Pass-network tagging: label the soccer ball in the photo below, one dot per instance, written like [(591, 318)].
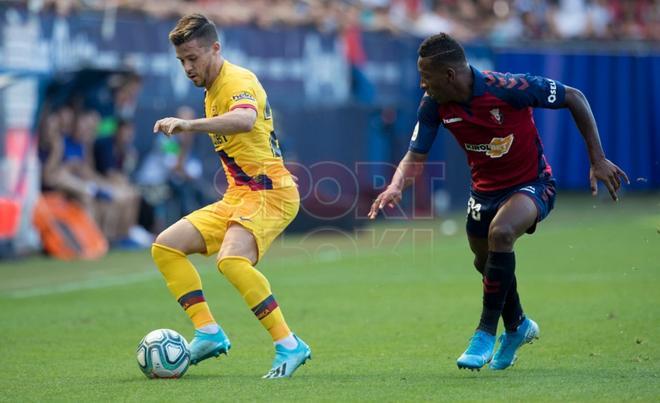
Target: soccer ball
[(163, 353)]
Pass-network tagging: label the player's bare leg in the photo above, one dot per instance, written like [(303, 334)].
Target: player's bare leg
[(170, 251), (236, 259), (130, 208), (183, 236), (515, 216), (239, 241), (479, 247)]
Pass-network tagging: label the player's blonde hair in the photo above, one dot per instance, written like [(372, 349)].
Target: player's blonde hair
[(194, 26)]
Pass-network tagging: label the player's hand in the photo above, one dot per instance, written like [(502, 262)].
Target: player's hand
[(389, 197), (608, 173), (170, 126)]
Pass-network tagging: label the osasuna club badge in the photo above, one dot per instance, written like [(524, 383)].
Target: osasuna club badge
[(496, 115)]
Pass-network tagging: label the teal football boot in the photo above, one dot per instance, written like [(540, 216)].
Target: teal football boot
[(479, 351), (510, 342), (287, 361), (207, 345)]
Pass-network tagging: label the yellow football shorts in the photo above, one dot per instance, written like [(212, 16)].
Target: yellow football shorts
[(265, 213)]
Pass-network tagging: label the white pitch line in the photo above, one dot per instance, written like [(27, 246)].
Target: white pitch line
[(107, 281), (95, 283), (132, 278), (91, 284)]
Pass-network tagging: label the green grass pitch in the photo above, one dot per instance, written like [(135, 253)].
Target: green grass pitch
[(386, 310)]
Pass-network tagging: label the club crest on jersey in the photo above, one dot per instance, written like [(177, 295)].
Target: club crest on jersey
[(496, 115), (497, 147)]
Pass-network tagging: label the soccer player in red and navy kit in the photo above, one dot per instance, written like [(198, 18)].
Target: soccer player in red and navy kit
[(490, 115)]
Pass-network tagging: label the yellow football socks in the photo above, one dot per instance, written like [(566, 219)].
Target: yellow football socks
[(184, 283), (255, 290)]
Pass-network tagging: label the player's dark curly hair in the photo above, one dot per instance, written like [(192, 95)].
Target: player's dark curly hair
[(442, 49), (194, 26)]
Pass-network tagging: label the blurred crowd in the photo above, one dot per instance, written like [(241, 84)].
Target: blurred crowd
[(497, 20), (86, 130), (87, 153)]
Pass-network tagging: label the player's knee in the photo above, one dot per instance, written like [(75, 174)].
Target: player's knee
[(156, 251), (239, 242), (501, 236), (163, 254), (161, 239), (230, 249)]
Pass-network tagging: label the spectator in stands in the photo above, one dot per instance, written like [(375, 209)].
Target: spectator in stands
[(125, 95), (171, 176), (115, 159), (74, 173), (439, 19), (600, 19), (568, 19), (468, 19), (508, 26), (55, 175), (186, 180)]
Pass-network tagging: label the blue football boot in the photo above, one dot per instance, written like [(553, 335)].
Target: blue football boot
[(510, 342), (479, 351), (207, 345), (287, 361)]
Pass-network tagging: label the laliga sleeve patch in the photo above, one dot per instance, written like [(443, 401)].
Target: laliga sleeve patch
[(243, 96)]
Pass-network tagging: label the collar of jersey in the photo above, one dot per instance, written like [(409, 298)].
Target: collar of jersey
[(478, 83), (219, 79)]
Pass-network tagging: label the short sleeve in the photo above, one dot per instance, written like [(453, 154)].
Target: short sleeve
[(526, 90), (242, 95), (428, 122)]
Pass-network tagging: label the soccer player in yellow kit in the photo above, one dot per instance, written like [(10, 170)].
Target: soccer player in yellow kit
[(261, 200)]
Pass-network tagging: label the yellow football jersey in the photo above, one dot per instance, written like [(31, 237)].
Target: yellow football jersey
[(251, 159)]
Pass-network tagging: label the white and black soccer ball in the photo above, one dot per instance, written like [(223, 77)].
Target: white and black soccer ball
[(163, 353)]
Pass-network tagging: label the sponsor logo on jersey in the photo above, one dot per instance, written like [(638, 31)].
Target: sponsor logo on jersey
[(217, 139), (243, 96), (497, 147), (496, 115), (451, 120), (553, 91)]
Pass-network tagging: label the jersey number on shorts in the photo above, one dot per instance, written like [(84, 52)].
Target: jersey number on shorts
[(474, 209)]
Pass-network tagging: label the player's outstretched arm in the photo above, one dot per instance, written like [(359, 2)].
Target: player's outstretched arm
[(239, 120), (410, 166), (601, 169)]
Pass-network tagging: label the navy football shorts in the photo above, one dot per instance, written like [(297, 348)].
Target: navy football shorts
[(482, 206)]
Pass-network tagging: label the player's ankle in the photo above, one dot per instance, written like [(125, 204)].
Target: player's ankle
[(289, 342), (211, 328)]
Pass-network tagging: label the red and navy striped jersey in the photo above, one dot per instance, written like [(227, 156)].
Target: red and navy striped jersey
[(495, 128)]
